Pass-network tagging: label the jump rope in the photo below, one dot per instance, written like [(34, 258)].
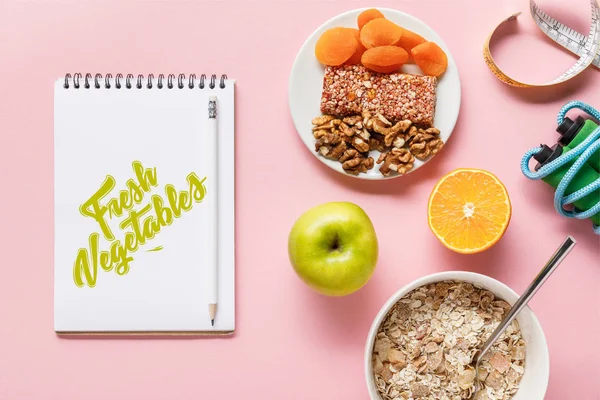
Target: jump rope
[(572, 165)]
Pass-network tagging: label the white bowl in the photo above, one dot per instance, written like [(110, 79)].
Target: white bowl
[(537, 361)]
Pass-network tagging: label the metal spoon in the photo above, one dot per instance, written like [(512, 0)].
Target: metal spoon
[(539, 280)]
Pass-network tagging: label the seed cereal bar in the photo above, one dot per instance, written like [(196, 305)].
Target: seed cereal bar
[(350, 89)]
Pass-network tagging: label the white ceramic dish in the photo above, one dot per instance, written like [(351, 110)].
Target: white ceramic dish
[(306, 83), (537, 361)]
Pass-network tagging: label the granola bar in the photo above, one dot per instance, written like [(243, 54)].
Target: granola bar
[(350, 89)]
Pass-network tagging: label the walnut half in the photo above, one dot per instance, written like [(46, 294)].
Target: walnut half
[(331, 146), (425, 143), (377, 142), (398, 160), (359, 144), (353, 162)]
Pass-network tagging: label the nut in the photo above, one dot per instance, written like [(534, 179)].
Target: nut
[(391, 132), (331, 146), (354, 162), (320, 133), (376, 142), (322, 119), (349, 154), (398, 160), (412, 131), (383, 119), (364, 133), (330, 124), (347, 130), (353, 120), (359, 144), (398, 141), (425, 143), (369, 120)]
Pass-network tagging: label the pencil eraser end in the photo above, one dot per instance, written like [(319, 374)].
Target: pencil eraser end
[(212, 98)]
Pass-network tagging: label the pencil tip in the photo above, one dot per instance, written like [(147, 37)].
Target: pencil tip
[(212, 322)]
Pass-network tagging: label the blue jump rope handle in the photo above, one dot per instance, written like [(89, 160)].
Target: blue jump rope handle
[(582, 152)]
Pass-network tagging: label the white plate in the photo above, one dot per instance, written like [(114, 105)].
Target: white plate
[(306, 83)]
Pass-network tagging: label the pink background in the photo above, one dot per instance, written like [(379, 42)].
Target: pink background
[(291, 343)]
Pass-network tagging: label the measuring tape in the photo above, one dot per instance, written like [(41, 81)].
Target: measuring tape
[(586, 47)]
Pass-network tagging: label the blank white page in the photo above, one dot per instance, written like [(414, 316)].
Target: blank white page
[(98, 135)]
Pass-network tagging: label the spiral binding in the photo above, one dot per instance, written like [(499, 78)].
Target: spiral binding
[(88, 81)]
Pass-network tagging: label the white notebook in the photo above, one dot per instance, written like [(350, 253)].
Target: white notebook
[(132, 204)]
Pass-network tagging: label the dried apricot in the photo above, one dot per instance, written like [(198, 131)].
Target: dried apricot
[(430, 58), (409, 40), (380, 32), (367, 16), (355, 59), (335, 46), (384, 59)]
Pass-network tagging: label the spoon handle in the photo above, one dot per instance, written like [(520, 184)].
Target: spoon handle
[(539, 280)]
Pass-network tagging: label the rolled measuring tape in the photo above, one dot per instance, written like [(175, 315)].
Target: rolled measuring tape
[(586, 47)]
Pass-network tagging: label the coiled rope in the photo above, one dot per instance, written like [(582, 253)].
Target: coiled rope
[(581, 153)]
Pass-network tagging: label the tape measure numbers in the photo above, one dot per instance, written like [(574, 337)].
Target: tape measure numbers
[(586, 47)]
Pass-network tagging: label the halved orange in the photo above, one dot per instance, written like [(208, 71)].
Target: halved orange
[(469, 210)]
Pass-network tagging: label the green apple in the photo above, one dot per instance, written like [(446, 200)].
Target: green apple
[(333, 248)]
